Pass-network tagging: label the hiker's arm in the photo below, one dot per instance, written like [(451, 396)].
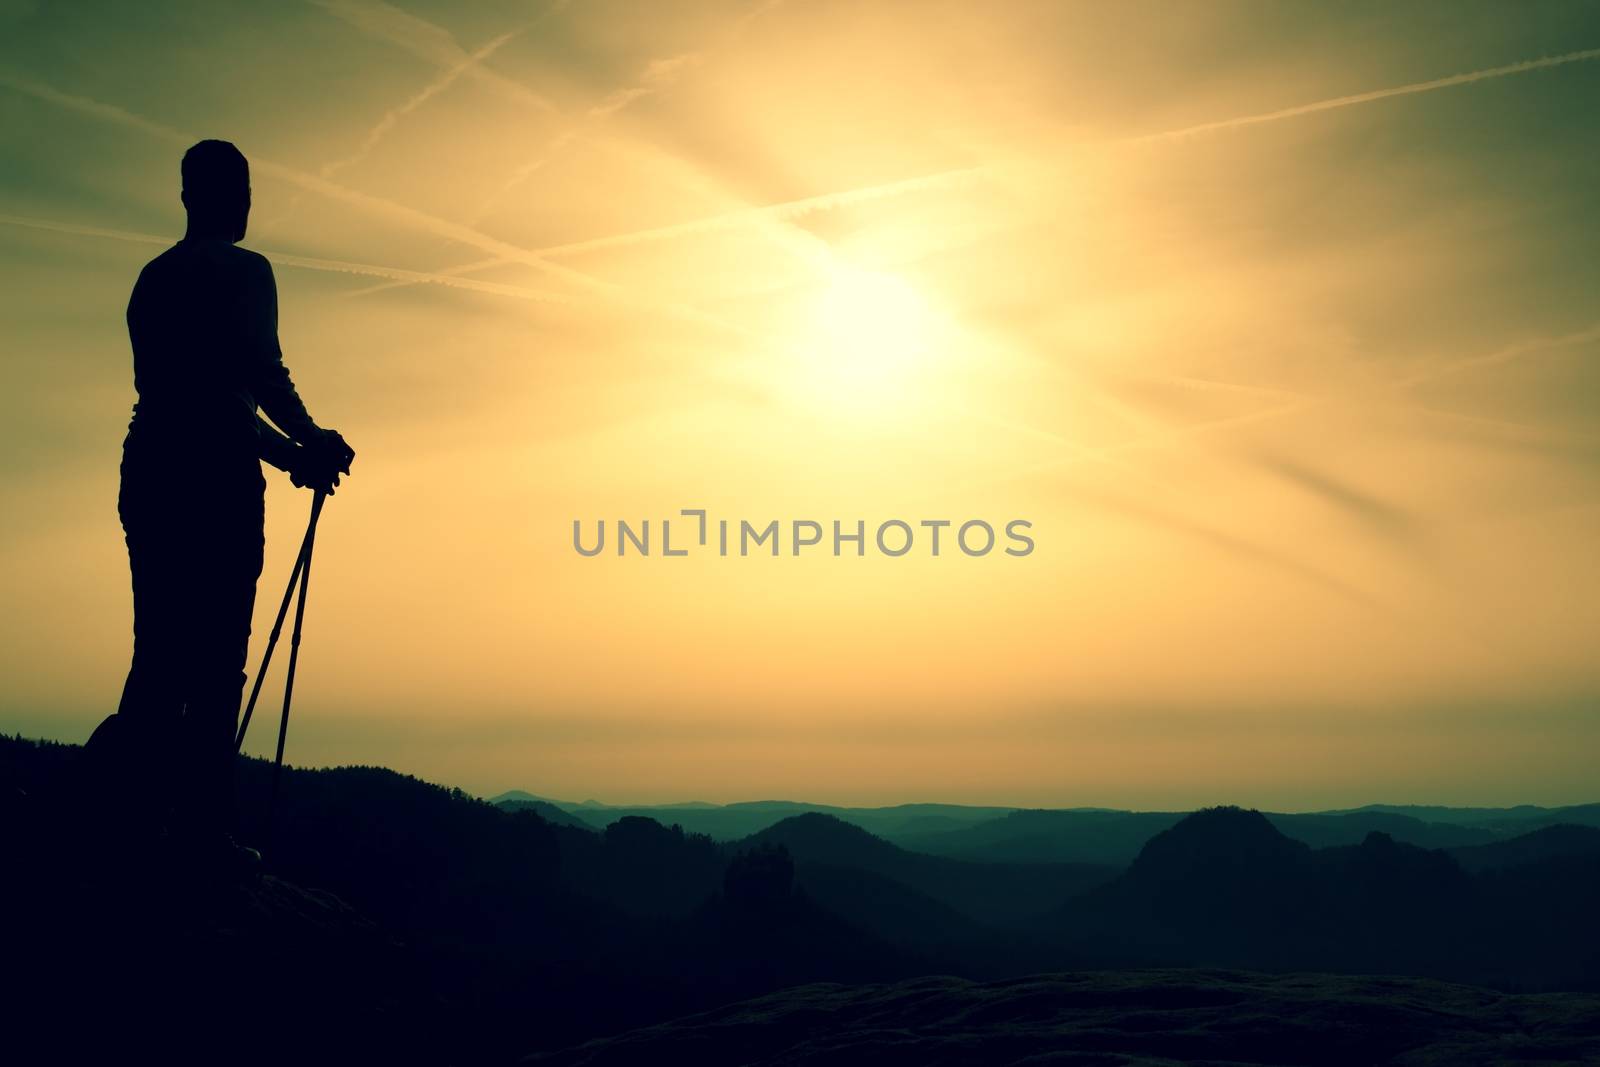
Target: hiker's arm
[(269, 379), (308, 468), (276, 449), (326, 453)]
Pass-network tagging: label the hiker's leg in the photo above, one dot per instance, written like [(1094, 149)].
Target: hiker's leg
[(140, 756), (152, 696), (219, 639)]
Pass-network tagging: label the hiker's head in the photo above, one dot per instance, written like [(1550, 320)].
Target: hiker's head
[(216, 190)]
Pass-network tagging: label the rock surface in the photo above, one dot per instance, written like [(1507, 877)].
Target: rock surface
[(1113, 1019)]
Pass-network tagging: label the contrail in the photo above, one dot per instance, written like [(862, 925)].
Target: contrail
[(1502, 355), (657, 75), (1178, 523), (1110, 454), (1232, 544), (376, 205), (760, 216), (445, 272), (335, 266), (1543, 63), (956, 177), (428, 92), (88, 106), (425, 39), (782, 212), (430, 42), (420, 37), (400, 213), (1167, 437), (392, 118)]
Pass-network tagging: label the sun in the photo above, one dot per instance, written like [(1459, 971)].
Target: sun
[(872, 346)]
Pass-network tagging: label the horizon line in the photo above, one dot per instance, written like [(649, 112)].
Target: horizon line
[(491, 796)]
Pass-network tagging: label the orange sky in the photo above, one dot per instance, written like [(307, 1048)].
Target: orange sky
[(1276, 323)]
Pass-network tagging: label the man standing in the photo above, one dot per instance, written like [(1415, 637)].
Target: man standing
[(203, 324)]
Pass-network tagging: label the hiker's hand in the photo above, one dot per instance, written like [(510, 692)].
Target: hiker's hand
[(312, 469), (317, 463), (337, 452)]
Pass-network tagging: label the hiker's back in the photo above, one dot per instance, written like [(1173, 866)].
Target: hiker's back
[(199, 318)]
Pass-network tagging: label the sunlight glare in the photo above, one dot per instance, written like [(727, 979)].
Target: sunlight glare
[(873, 346)]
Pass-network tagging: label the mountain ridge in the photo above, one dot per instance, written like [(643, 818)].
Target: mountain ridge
[(498, 932)]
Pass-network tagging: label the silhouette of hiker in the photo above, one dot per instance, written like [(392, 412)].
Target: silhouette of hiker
[(203, 324)]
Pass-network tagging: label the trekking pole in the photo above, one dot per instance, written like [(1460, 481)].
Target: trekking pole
[(294, 648), (300, 562)]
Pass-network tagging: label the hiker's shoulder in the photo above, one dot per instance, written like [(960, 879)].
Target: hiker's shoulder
[(218, 257), (162, 274), (168, 260), (245, 260), (245, 270)]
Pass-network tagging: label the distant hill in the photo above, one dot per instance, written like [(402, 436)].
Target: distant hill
[(998, 894), (1504, 821), (546, 811), (891, 909), (1117, 1020), (1465, 816), (732, 822), (1115, 837), (1225, 887), (1546, 843), (519, 795), (644, 868), (1096, 836), (1044, 836), (1326, 831), (971, 918)]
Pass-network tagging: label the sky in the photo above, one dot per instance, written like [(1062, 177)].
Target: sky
[(1275, 322)]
